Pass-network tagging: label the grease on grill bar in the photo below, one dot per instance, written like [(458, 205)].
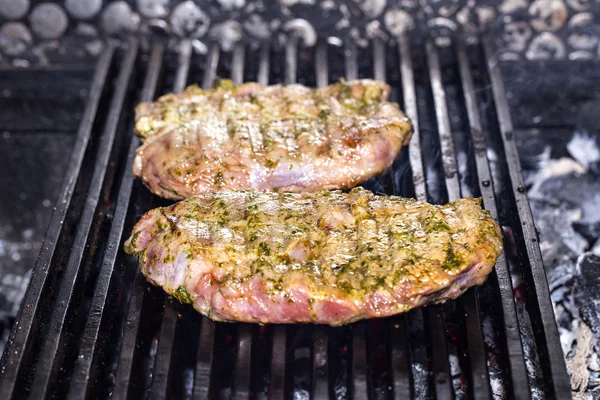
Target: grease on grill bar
[(114, 335)]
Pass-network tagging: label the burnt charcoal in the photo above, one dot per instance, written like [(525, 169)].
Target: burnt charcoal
[(589, 230), (587, 292), (559, 242), (560, 275), (534, 149), (575, 190)]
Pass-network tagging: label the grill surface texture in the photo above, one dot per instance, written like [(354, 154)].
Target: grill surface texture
[(92, 327)]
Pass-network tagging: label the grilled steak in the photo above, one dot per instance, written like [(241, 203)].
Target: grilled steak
[(323, 257), (276, 137)]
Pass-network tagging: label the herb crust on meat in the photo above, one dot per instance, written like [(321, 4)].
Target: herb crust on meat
[(251, 136), (322, 257)]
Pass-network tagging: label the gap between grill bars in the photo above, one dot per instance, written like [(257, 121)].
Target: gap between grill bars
[(134, 341)]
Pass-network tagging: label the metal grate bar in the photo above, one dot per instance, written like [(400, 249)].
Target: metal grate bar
[(398, 338), (279, 348), (320, 373), (291, 60), (241, 382), (439, 353), (212, 62), (238, 62), (479, 376), (555, 364), (350, 53), (263, 66), (321, 66), (401, 375), (277, 381), (410, 107), (132, 323), (204, 359), (379, 59), (359, 382), (358, 379), (185, 57), (162, 363), (320, 366), (20, 335), (443, 123), (414, 319), (48, 354), (432, 314), (515, 359), (89, 338)]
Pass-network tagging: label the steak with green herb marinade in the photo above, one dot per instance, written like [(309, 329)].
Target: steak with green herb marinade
[(323, 257), (251, 136)]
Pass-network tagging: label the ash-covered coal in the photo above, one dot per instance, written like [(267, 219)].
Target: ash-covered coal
[(564, 193)]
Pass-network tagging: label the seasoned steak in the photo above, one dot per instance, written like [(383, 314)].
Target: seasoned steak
[(251, 136), (323, 257)]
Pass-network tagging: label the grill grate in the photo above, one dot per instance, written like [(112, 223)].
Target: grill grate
[(92, 327)]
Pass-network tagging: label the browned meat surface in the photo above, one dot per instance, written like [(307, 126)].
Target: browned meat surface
[(323, 257), (276, 137)]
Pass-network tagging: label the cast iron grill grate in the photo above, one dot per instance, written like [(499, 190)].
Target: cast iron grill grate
[(91, 327)]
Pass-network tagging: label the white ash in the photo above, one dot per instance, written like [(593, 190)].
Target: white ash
[(583, 148), (564, 195)]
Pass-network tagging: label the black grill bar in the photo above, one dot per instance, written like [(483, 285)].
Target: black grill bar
[(241, 381), (478, 364), (378, 59), (239, 55), (204, 359), (278, 365), (263, 66), (395, 327), (321, 66), (132, 324), (320, 373), (212, 63), (359, 387), (433, 315), (400, 362), (410, 107), (79, 384), (415, 319), (351, 60), (291, 60), (279, 347), (20, 336), (443, 122), (160, 378), (49, 351), (358, 380), (183, 70), (553, 362), (514, 350)]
